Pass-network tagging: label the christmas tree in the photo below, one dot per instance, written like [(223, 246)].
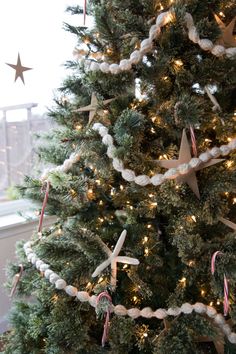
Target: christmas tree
[(141, 258)]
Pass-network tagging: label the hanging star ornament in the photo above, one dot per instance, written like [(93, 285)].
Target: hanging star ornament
[(94, 107), (227, 39), (184, 157), (114, 259), (19, 69)]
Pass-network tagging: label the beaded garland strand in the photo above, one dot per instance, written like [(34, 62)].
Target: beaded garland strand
[(147, 45), (129, 175), (172, 173), (121, 310)]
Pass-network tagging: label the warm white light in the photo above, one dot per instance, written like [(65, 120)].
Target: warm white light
[(78, 127), (179, 62), (229, 164), (193, 217)]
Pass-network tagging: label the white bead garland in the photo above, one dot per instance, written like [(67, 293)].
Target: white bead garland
[(146, 45), (172, 173), (134, 313)]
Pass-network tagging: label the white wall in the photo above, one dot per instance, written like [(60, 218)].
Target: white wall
[(9, 235)]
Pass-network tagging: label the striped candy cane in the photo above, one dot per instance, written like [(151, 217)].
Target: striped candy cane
[(213, 260), (40, 226), (106, 324), (226, 296), (193, 139), (226, 285)]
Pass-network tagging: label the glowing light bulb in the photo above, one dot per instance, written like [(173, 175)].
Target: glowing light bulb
[(229, 164), (145, 334), (203, 292), (234, 200), (193, 217), (178, 62), (221, 14), (149, 226), (145, 239), (191, 263), (121, 187), (146, 252), (183, 281), (211, 303), (125, 266), (218, 302)]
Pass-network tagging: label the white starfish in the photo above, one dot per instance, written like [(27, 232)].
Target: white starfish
[(114, 259)]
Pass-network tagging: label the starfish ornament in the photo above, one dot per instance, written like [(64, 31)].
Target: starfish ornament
[(19, 69), (184, 157), (228, 223), (227, 38), (114, 259), (94, 108)]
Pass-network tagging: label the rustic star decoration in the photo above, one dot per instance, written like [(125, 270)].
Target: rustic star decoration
[(227, 39), (184, 157), (19, 69), (114, 259), (94, 107), (228, 223)]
